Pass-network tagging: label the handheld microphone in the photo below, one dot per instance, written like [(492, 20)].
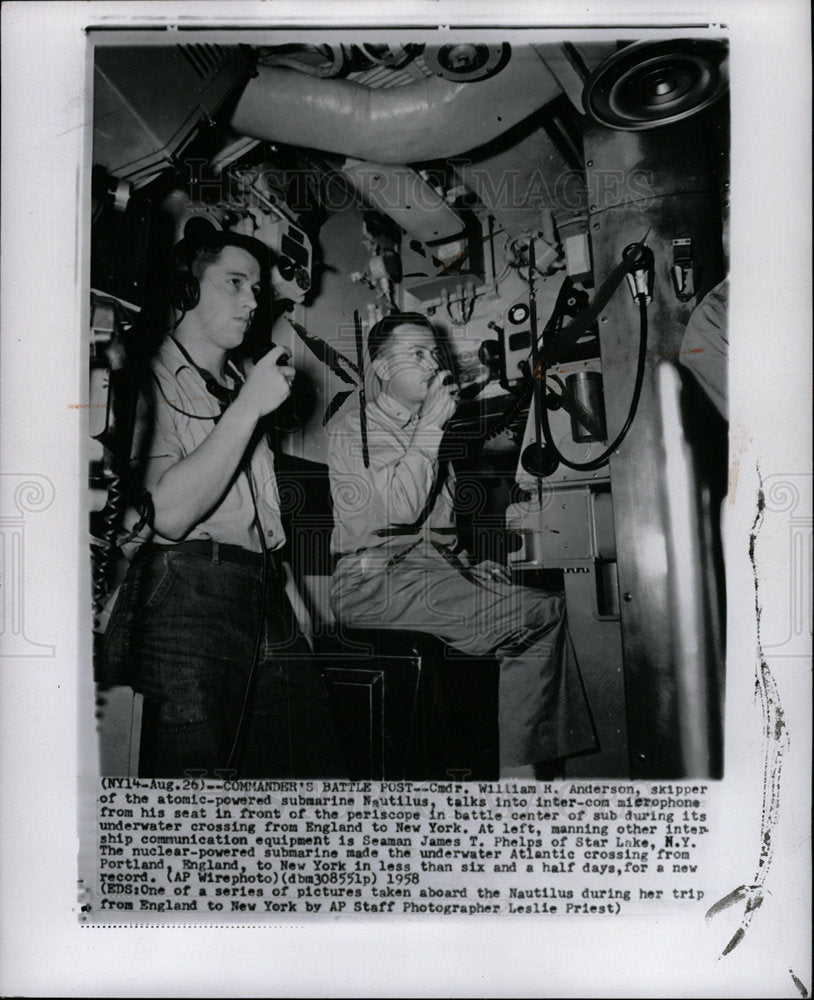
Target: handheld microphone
[(294, 412), (264, 350)]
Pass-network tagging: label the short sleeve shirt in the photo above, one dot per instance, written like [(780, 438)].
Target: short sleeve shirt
[(184, 415)]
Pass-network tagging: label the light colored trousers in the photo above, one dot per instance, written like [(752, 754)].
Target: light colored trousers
[(542, 711)]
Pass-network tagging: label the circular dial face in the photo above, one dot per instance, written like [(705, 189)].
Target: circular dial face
[(518, 313)]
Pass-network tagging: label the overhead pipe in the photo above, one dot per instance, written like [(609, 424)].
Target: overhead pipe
[(431, 119)]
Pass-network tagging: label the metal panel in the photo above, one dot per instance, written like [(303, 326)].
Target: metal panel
[(664, 188), (118, 714), (357, 704), (148, 101), (574, 525), (407, 198), (598, 646), (374, 703)]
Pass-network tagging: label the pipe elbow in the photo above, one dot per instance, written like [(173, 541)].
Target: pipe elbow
[(427, 120)]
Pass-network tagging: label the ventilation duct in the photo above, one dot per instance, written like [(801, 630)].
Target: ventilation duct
[(427, 120)]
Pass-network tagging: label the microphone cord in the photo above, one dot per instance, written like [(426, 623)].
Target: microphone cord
[(251, 679), (604, 458)]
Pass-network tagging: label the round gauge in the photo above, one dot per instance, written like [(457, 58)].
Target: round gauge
[(287, 268), (467, 61), (518, 313)]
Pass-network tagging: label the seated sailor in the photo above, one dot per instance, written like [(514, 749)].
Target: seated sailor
[(400, 565)]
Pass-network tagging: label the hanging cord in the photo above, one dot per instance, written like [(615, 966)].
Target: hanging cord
[(103, 549), (636, 258), (117, 440), (146, 511), (465, 308), (238, 743), (192, 416), (521, 400), (224, 395), (360, 360), (537, 362), (604, 458)]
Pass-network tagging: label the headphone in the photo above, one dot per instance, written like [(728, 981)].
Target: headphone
[(185, 289), (185, 294)]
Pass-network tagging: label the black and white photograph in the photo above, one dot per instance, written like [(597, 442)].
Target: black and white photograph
[(406, 525), (409, 405)]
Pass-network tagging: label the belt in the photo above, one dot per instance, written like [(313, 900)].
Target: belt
[(220, 552)]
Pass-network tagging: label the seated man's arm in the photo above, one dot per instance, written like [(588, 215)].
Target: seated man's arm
[(401, 474)]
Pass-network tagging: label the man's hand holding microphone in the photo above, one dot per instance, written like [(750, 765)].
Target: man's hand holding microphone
[(441, 400), (269, 382)]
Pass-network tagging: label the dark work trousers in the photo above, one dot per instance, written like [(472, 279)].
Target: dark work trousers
[(194, 630), (542, 711)]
